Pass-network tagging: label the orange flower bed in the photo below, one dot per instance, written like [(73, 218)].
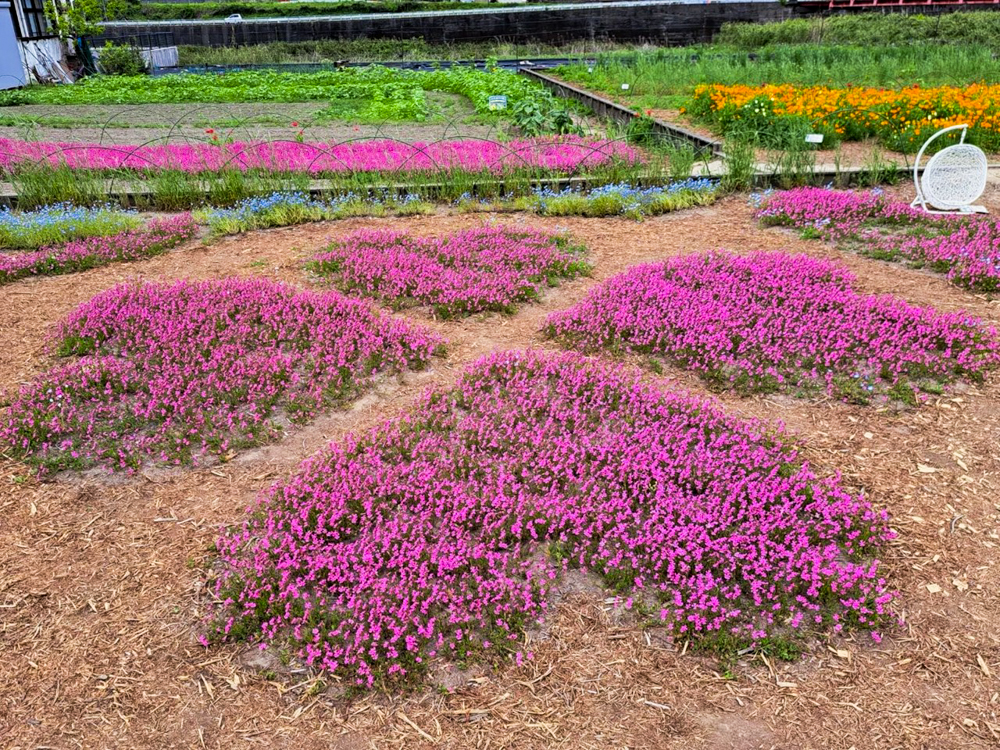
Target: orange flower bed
[(901, 120)]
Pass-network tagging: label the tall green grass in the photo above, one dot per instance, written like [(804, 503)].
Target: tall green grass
[(42, 185), (868, 29), (171, 190), (665, 78), (153, 11), (379, 50)]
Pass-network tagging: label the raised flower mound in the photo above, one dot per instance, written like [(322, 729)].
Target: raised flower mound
[(967, 248), (441, 534), (171, 373), (564, 154), (841, 210), (487, 268), (771, 321), (91, 252)]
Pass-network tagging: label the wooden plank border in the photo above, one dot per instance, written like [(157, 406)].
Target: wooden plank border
[(616, 112)]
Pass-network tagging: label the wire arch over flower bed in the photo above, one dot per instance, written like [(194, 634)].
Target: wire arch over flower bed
[(565, 153), (227, 172)]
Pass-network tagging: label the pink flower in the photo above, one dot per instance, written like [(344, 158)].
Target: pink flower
[(90, 252), (488, 268), (773, 321), (966, 247), (430, 533), (563, 154), (172, 373)]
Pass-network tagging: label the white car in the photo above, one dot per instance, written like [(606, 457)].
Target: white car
[(233, 18)]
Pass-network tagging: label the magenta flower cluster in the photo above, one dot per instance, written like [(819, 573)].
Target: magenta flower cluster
[(487, 268), (90, 252), (559, 154), (967, 248), (171, 372), (771, 321), (442, 534)]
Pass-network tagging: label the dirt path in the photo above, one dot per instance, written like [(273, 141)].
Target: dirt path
[(101, 583)]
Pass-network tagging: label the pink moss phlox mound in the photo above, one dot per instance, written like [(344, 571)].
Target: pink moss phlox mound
[(91, 252), (559, 154), (967, 248), (771, 321), (170, 373), (488, 268), (440, 534)]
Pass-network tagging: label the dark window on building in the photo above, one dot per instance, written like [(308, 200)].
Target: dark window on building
[(34, 24)]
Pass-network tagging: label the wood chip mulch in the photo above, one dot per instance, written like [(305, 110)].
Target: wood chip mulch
[(102, 582)]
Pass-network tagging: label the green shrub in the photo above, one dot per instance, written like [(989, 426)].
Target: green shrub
[(122, 60)]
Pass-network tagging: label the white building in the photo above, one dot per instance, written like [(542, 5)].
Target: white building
[(30, 51)]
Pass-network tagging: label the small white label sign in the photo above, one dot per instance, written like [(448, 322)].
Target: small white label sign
[(498, 102), (624, 87), (814, 137)]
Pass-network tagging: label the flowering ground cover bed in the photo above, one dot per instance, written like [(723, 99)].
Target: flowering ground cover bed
[(287, 208), (634, 201), (174, 373), (440, 534), (772, 321), (61, 223), (966, 248), (900, 120), (599, 675), (563, 154), (91, 252), (284, 208), (488, 268)]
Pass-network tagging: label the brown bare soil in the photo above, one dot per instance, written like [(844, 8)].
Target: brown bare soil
[(101, 583)]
